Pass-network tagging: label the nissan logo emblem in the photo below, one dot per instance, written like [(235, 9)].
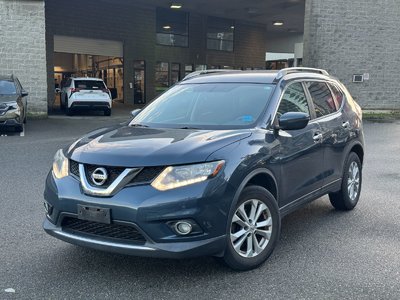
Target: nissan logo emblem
[(99, 176)]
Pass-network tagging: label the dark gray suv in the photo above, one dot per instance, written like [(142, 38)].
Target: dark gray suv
[(210, 167), (13, 103)]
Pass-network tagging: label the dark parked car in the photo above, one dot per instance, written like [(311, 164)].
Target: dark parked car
[(12, 103), (210, 167)]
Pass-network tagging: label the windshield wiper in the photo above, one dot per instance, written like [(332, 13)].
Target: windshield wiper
[(138, 125)]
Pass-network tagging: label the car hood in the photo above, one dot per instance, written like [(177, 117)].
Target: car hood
[(8, 98), (139, 147)]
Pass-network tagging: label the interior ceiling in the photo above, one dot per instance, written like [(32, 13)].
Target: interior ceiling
[(291, 12)]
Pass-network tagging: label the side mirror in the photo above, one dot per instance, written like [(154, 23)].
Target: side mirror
[(293, 121), (24, 93), (135, 112)]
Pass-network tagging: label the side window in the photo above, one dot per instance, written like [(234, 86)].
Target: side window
[(294, 100), (68, 84), (322, 98), (338, 94)]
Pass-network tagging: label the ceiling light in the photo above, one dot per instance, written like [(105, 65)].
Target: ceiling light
[(277, 23), (176, 6), (232, 27), (167, 27)]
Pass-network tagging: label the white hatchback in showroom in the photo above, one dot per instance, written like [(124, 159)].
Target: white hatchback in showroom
[(85, 93)]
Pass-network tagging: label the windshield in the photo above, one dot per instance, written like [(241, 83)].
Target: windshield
[(7, 87), (209, 105)]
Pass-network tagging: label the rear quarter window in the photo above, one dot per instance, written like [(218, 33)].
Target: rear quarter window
[(339, 95)]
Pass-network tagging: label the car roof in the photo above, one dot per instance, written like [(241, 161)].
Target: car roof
[(87, 78), (253, 76)]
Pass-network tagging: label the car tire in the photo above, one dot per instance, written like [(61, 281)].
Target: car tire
[(68, 111), (349, 194), (62, 104), (241, 250), (107, 112)]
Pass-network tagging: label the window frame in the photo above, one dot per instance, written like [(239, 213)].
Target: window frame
[(215, 39), (187, 15), (312, 102)]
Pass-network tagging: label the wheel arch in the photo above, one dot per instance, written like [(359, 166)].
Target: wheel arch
[(259, 177), (359, 150)]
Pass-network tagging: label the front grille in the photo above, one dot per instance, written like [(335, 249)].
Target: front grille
[(117, 232), (113, 173), (74, 168), (146, 175)]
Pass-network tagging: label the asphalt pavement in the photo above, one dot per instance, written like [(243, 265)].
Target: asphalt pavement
[(322, 253)]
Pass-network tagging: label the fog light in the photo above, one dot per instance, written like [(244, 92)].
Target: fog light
[(48, 208), (183, 228)]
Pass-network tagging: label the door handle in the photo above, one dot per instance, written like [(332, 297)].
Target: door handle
[(317, 137), (346, 125)]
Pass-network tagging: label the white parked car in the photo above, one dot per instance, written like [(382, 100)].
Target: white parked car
[(85, 92)]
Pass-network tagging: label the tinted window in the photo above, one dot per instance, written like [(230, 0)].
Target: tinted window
[(338, 94), (216, 105), (7, 87), (89, 84), (294, 100), (172, 28), (220, 33), (322, 98)]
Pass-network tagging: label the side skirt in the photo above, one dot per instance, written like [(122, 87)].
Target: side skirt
[(332, 187)]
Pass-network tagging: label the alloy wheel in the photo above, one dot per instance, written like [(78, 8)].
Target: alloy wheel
[(353, 181), (251, 228)]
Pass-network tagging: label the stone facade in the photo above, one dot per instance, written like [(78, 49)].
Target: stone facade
[(357, 37), (23, 49)]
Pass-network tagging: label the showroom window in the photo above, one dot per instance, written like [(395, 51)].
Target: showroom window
[(172, 28), (220, 34), (162, 77)]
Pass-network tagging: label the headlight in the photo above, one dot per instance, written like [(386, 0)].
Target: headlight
[(60, 165), (174, 177), (11, 105)]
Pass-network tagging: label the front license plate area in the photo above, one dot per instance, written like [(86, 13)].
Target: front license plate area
[(95, 214)]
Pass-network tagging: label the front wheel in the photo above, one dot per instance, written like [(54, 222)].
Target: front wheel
[(347, 198), (254, 229)]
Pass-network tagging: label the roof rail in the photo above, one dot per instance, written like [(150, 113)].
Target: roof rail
[(204, 72), (286, 71)]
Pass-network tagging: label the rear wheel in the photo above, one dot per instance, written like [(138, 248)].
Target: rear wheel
[(347, 198), (63, 103), (254, 229), (68, 111), (107, 112)]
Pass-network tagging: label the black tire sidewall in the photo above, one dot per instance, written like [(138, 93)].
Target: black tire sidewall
[(231, 257), (347, 202)]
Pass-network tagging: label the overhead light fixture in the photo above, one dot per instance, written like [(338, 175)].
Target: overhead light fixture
[(176, 6), (232, 27), (278, 23), (166, 27)]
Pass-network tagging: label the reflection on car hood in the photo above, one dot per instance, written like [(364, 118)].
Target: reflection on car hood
[(8, 98), (138, 147)]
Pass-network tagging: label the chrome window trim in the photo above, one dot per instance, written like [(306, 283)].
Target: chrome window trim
[(281, 96), (124, 178)]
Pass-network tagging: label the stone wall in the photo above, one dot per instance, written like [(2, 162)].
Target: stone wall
[(356, 37), (23, 49)]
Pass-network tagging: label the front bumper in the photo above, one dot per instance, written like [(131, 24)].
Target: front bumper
[(11, 118), (207, 204), (212, 246)]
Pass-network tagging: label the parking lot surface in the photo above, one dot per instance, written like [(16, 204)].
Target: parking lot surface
[(322, 253)]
